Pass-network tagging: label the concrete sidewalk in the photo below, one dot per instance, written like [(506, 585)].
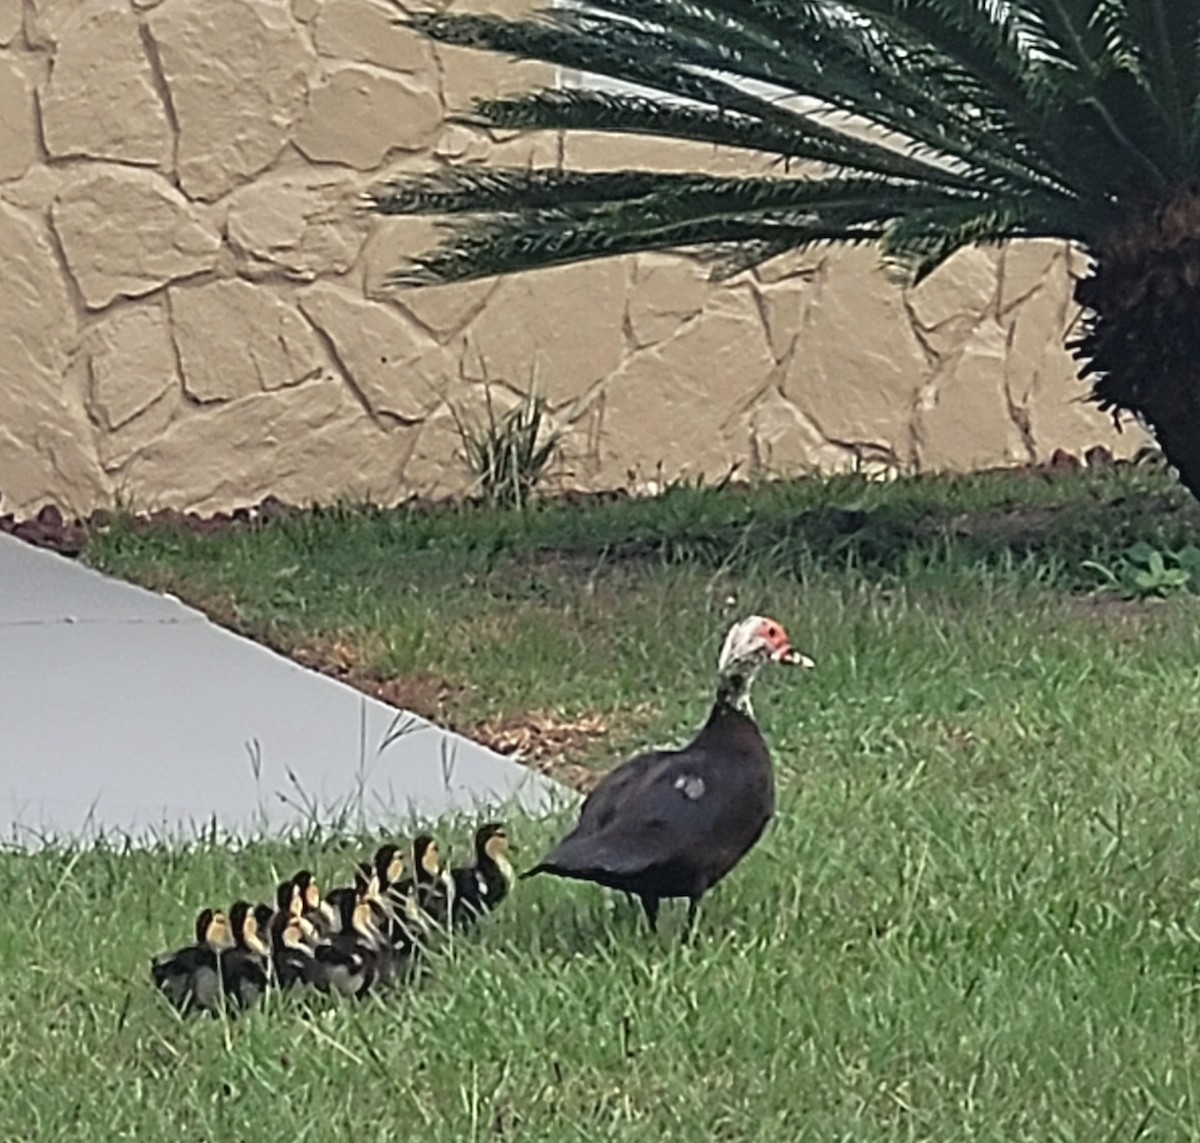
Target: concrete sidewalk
[(123, 712)]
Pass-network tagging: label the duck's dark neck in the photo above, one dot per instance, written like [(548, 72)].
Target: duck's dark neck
[(733, 690)]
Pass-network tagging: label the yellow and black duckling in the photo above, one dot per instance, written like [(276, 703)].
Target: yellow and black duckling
[(431, 886), (293, 952), (244, 967), (316, 911), (351, 959), (190, 977), (406, 926), (481, 886)]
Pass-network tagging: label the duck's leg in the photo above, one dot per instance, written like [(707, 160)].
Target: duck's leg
[(650, 904)]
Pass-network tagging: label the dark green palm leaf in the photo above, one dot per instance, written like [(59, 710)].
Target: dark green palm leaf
[(922, 125)]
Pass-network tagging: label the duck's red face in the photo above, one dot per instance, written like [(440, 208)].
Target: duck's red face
[(756, 640), (773, 636)]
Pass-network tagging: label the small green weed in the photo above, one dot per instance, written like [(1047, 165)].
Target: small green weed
[(510, 454), (1146, 572)]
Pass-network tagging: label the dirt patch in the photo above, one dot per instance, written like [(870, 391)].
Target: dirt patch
[(1121, 616), (431, 696), (550, 743)]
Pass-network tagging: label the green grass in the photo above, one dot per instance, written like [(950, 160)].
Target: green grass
[(974, 918)]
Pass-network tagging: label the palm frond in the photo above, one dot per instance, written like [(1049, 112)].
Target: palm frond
[(804, 138), (934, 123), (529, 241)]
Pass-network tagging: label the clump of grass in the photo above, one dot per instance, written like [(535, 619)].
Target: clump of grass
[(510, 454)]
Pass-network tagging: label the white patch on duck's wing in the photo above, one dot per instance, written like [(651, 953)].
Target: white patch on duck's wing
[(692, 786)]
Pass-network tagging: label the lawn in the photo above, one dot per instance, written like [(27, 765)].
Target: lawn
[(973, 918)]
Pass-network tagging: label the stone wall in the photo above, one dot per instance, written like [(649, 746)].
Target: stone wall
[(193, 311)]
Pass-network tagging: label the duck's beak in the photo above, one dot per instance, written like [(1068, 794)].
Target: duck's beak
[(790, 657)]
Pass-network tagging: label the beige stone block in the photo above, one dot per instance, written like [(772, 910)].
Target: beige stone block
[(437, 465), (1025, 267), (781, 304), (468, 75), (114, 449), (235, 339), (131, 364), (964, 285), (364, 31), (44, 17), (857, 365), (305, 223), (35, 307), (11, 12), (1042, 379), (1060, 416), (37, 188), (779, 441), (48, 462), (529, 149), (805, 265), (127, 232), (461, 144), (357, 114), (601, 151), (312, 443), (445, 310), (1037, 331), (306, 10), (46, 444), (397, 368), (100, 100), (18, 120), (674, 409), (964, 418), (664, 292), (238, 75), (560, 329)]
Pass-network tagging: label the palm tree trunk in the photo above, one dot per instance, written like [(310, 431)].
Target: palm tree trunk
[(1141, 329), (1174, 419)]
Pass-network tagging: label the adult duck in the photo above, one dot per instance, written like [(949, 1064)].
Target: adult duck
[(673, 823)]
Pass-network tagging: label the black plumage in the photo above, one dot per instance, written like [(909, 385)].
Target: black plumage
[(350, 960), (482, 885), (243, 968), (673, 823), (431, 887), (190, 977), (293, 952)]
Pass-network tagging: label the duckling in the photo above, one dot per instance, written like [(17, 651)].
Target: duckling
[(314, 910), (244, 967), (349, 961), (263, 915), (481, 886), (293, 956), (432, 887), (389, 864), (190, 976)]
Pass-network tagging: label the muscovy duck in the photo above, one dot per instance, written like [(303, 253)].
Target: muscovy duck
[(673, 823)]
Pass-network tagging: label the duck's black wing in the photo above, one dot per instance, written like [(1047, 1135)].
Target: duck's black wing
[(685, 821), (600, 804)]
